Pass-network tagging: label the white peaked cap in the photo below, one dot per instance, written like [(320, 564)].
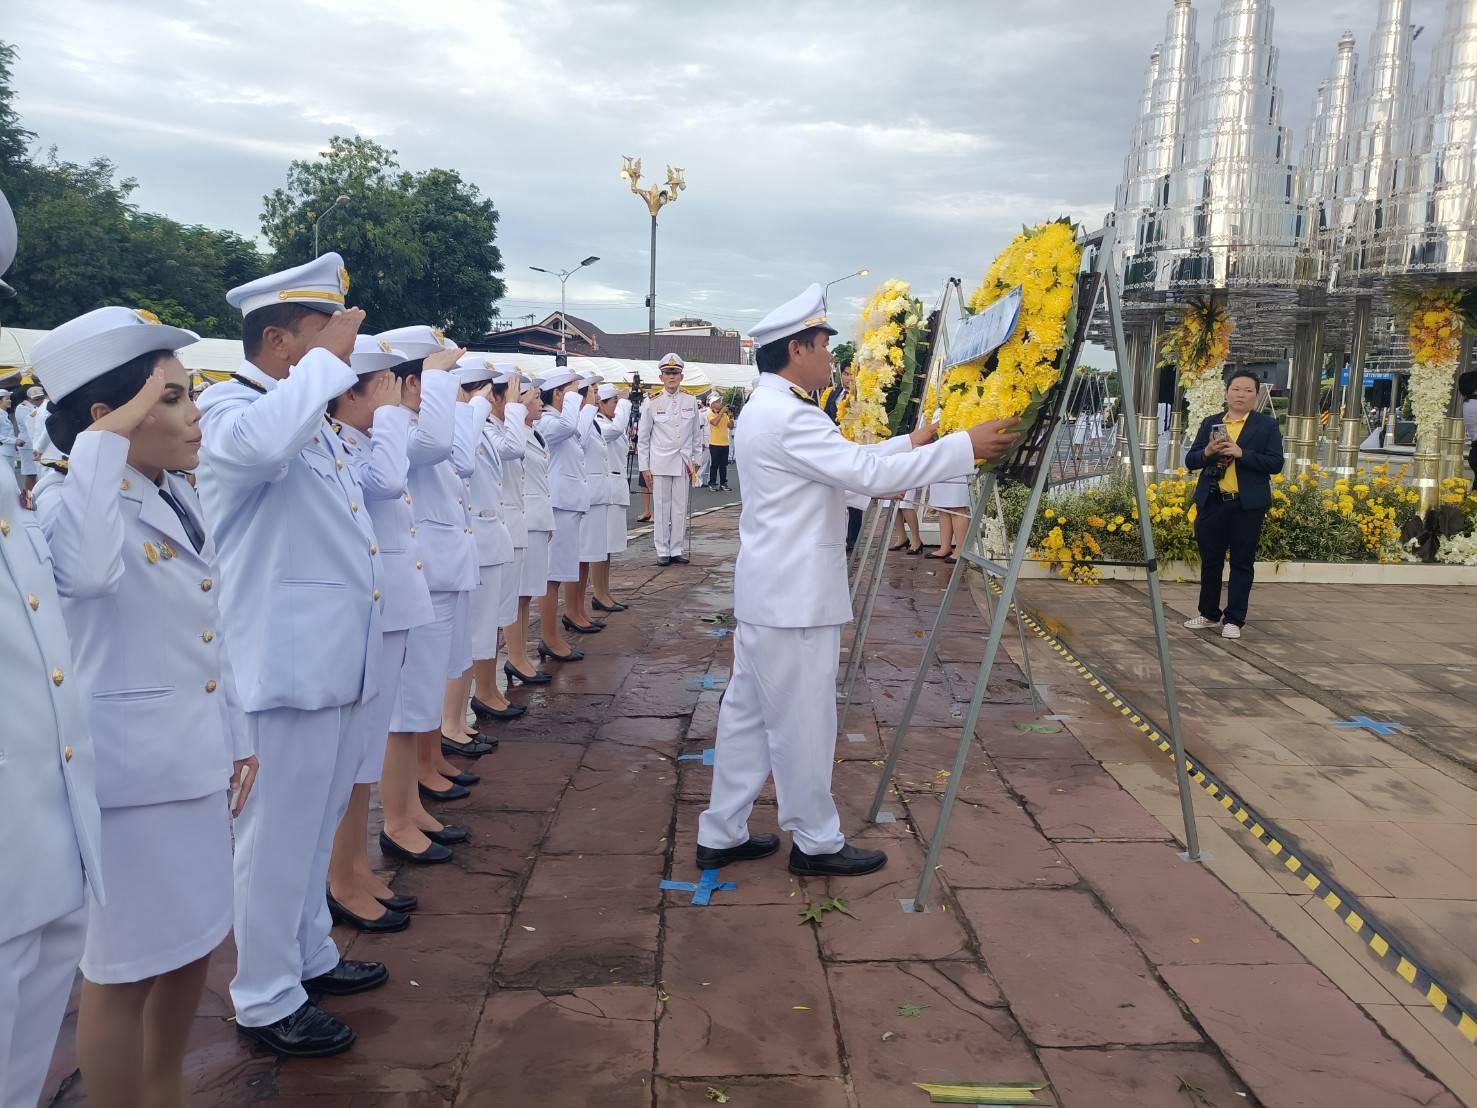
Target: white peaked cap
[(671, 359), (792, 317), (417, 341), (372, 355), (557, 378), (83, 349), (606, 392), (321, 284)]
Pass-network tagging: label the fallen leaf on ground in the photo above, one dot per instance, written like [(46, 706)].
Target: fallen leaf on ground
[(812, 914), (910, 1010), (836, 904), (716, 1094)]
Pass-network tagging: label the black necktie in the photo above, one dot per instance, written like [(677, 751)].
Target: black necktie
[(541, 441), (187, 521)]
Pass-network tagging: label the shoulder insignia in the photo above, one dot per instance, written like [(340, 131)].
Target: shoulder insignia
[(338, 428), (801, 394), (58, 464), (249, 383)]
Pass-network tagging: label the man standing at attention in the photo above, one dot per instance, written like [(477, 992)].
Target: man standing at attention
[(790, 593), (300, 597), (668, 443)]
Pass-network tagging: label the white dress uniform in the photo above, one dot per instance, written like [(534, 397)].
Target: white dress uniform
[(381, 462), (509, 435), (617, 436), (668, 446), (538, 513), (7, 439), (595, 524), (300, 597), (128, 555), (569, 493), (25, 437), (48, 808), (791, 597), (494, 540)]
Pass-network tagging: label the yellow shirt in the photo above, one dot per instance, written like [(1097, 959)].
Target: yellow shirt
[(718, 426), (1233, 429)]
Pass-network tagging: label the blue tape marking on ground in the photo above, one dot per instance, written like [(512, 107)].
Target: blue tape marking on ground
[(1364, 723), (702, 892), (706, 757), (721, 633), (704, 682)]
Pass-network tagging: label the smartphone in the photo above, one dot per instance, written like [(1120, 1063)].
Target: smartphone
[(1218, 433)]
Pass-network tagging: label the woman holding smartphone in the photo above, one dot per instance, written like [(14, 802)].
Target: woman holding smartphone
[(135, 566)]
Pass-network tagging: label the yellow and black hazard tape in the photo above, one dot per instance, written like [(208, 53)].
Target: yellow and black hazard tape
[(1387, 950)]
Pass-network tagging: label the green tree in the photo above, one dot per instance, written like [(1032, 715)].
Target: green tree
[(14, 139), (419, 247), (843, 354)]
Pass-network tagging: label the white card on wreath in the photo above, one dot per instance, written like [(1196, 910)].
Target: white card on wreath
[(981, 335)]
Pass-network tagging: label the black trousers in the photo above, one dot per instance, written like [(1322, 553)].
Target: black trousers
[(718, 459), (1224, 528), (853, 527)]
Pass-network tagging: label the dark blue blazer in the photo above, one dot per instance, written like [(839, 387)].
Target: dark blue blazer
[(1261, 456)]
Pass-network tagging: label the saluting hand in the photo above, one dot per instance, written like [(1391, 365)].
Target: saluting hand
[(127, 418), (242, 779), (445, 358), (339, 333), (485, 392), (994, 438), (383, 391), (925, 435)]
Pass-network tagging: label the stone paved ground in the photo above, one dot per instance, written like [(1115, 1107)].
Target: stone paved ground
[(1067, 942)]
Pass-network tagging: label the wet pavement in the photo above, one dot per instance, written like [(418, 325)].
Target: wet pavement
[(1066, 942)]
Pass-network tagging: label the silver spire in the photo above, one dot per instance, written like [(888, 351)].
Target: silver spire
[(1318, 167)]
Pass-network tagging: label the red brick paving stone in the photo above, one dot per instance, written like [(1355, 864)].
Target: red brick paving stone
[(404, 1046), (1071, 976), (437, 956), (658, 694), (653, 733), (554, 716), (1176, 911), (1079, 801), (955, 1037), (594, 920), (590, 1047), (992, 846), (360, 1100), (936, 707), (1300, 1043), (853, 784), (1139, 1078), (619, 801), (522, 777), (1006, 740), (483, 876), (759, 966), (754, 1092), (882, 929), (762, 881), (602, 672)]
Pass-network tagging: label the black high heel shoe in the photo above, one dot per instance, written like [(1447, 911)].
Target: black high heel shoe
[(451, 792), (467, 748), (391, 920), (514, 676), (465, 778), (572, 656), (433, 853), (583, 629), (486, 711), (616, 607), (400, 902), (449, 835)]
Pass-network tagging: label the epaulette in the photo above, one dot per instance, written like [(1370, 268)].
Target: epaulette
[(58, 464), (249, 383), (803, 395)]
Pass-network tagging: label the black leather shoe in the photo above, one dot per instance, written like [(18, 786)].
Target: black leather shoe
[(580, 628), (465, 778), (310, 1032), (846, 862), (400, 902), (758, 846), (429, 857), (389, 921), (664, 561), (348, 977), (515, 675), (573, 655), (451, 792), (680, 559), (486, 711), (449, 835), (472, 748), (600, 607)]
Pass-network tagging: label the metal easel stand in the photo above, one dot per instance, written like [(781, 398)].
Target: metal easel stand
[(1102, 267)]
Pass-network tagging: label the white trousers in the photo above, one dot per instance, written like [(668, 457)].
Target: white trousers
[(36, 974), (669, 513), (778, 716), (283, 841)]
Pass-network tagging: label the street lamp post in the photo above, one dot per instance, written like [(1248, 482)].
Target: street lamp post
[(341, 202), (826, 292), (564, 275), (656, 196)]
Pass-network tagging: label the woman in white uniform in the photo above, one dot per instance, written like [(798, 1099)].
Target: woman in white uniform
[(135, 564), (508, 427), (950, 499), (538, 517), (7, 432), (593, 525), (613, 419), (562, 426)]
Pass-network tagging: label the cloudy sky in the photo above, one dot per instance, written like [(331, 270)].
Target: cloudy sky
[(817, 138)]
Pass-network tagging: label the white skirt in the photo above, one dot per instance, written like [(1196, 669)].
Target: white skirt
[(487, 607), (594, 544), (507, 612), (171, 899), (615, 529), (535, 580), (461, 637), (949, 494), (374, 717), (423, 677), (564, 548)]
